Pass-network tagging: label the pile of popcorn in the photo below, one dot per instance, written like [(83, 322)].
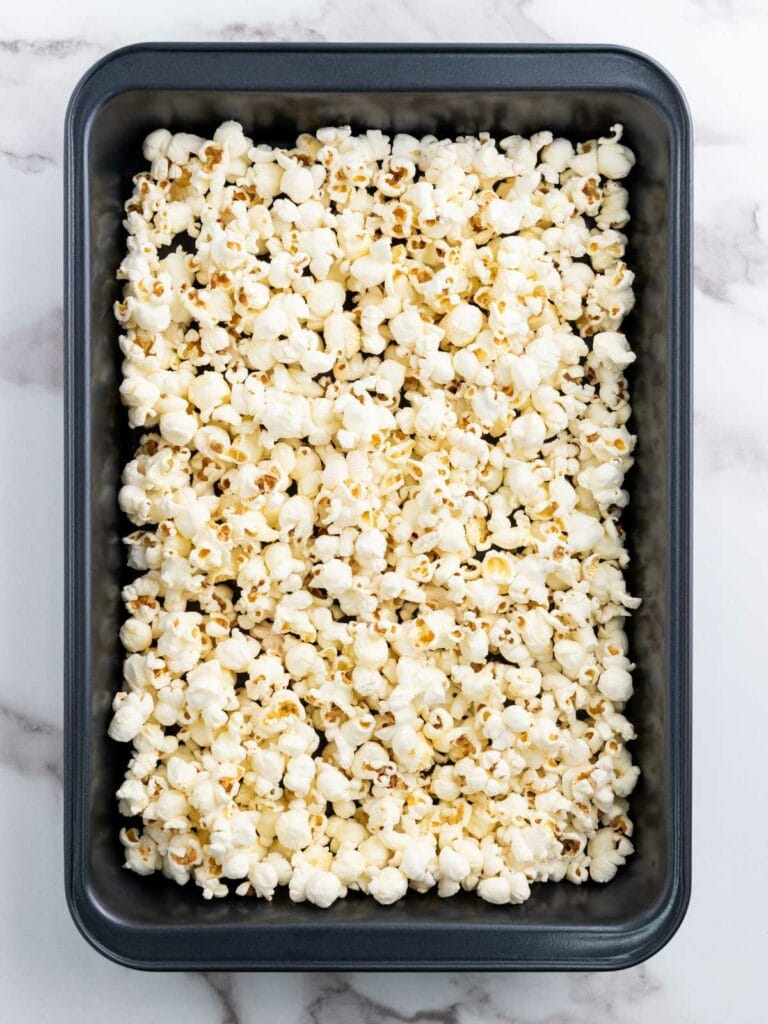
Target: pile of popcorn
[(376, 633)]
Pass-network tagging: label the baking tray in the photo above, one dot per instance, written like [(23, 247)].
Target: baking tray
[(278, 91)]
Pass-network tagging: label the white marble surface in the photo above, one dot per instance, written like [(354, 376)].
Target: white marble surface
[(713, 970)]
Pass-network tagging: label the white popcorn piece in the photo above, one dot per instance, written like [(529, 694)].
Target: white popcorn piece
[(323, 888), (131, 711), (141, 853), (299, 775), (494, 890), (349, 865), (133, 797), (614, 160), (293, 830), (297, 183), (453, 866), (178, 427), (263, 878), (388, 886), (615, 683), (135, 635)]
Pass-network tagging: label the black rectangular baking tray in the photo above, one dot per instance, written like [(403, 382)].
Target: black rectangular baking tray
[(278, 91)]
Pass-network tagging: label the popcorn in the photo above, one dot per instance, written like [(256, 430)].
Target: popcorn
[(141, 853), (375, 640), (462, 324), (299, 775), (264, 880), (452, 865), (494, 890), (297, 183), (208, 390), (388, 886), (133, 797), (334, 576), (607, 852), (131, 710), (181, 774), (287, 416), (135, 635), (615, 683), (323, 888), (293, 829), (178, 427), (349, 865), (612, 347), (614, 160)]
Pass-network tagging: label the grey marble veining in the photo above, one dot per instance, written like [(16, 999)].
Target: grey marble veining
[(712, 970)]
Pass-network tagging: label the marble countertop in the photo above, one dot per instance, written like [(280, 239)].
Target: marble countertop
[(713, 969)]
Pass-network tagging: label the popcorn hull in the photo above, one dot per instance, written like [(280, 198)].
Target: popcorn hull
[(277, 91)]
